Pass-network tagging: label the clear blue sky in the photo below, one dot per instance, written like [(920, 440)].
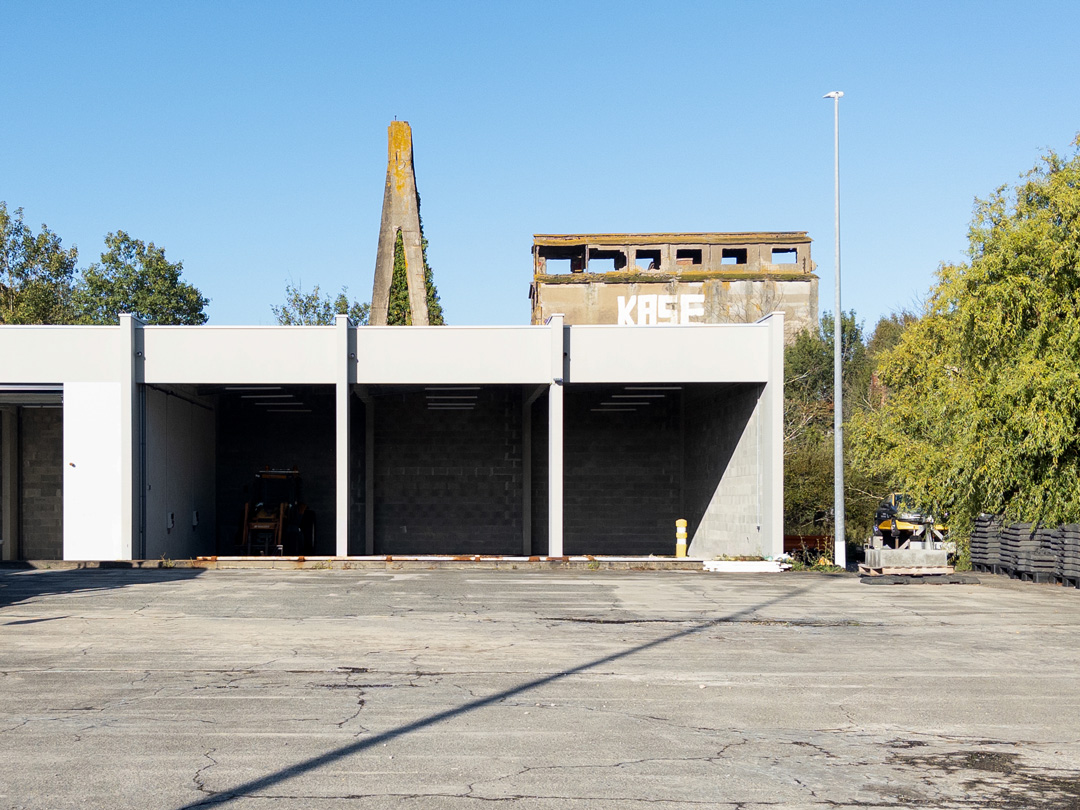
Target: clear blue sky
[(249, 138)]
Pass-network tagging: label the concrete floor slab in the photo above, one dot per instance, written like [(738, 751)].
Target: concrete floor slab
[(184, 688)]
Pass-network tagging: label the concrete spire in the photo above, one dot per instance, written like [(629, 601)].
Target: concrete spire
[(401, 212)]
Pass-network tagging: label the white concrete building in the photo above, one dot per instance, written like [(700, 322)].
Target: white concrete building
[(140, 442)]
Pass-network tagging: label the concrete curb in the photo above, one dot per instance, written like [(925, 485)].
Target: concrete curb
[(387, 563)]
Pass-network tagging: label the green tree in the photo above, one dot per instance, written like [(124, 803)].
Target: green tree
[(399, 311), (434, 305), (888, 331), (808, 424), (36, 273), (136, 278), (315, 308), (982, 410)]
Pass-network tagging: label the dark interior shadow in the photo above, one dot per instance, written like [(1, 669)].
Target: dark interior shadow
[(23, 583), (344, 751)]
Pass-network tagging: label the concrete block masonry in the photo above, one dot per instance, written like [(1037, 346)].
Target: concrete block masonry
[(41, 475), (906, 558)]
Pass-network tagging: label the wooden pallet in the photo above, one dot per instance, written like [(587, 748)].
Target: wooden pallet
[(914, 570)]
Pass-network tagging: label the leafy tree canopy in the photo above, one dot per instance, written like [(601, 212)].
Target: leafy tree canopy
[(315, 308), (982, 411), (136, 278), (808, 426), (399, 310), (434, 305), (36, 273)]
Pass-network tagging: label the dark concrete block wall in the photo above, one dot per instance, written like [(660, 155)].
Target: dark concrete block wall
[(452, 482), (42, 483), (622, 475), (448, 482), (357, 476), (539, 431), (1, 484), (250, 438)]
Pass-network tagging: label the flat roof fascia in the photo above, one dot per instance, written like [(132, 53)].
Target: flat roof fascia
[(208, 355), (715, 353), (639, 239), (58, 354), (504, 355), (395, 355)]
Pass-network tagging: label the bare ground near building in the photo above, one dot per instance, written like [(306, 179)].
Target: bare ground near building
[(184, 688)]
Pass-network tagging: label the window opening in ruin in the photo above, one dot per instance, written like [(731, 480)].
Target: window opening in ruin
[(557, 266), (647, 259), (733, 256), (784, 256), (688, 256), (605, 261)]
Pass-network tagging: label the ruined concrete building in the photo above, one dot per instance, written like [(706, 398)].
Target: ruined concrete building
[(674, 278), (400, 215)]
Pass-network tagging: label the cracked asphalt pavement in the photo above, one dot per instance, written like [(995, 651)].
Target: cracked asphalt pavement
[(533, 689)]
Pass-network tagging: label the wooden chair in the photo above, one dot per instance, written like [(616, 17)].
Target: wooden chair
[(266, 517)]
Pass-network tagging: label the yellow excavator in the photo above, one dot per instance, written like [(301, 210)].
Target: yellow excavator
[(898, 520)]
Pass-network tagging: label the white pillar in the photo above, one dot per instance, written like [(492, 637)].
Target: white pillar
[(771, 427), (130, 373), (346, 359), (555, 438)]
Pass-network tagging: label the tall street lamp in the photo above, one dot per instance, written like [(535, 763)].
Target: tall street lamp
[(839, 545)]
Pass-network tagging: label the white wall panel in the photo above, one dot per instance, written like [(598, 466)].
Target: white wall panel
[(439, 354), (179, 477), (204, 485), (239, 354), (57, 354), (669, 353), (92, 472)]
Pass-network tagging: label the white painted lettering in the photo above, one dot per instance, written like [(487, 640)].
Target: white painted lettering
[(691, 306), (626, 309), (646, 310), (664, 311)]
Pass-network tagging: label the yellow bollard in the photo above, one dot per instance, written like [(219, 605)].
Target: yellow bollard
[(680, 537)]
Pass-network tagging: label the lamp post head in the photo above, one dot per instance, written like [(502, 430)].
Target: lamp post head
[(834, 94)]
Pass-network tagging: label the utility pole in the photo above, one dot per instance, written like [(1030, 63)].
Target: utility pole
[(839, 546)]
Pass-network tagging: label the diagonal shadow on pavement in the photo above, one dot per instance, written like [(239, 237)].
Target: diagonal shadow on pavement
[(250, 787)]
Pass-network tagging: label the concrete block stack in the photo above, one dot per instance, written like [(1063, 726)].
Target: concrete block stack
[(1035, 560), (986, 542), (1013, 538), (1026, 550), (1068, 550)]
